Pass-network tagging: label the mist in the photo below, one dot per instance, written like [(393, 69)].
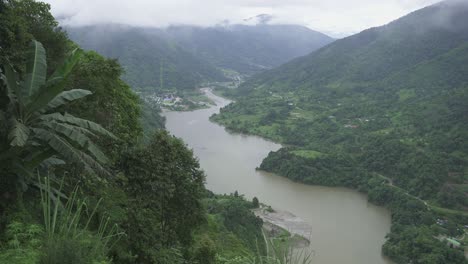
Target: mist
[(336, 18)]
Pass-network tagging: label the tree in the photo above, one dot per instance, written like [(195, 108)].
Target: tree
[(204, 251), (35, 132), (255, 202), (23, 21), (165, 186), (113, 104)]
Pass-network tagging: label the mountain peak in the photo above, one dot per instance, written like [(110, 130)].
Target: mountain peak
[(259, 19)]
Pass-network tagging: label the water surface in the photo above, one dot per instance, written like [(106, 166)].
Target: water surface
[(345, 227)]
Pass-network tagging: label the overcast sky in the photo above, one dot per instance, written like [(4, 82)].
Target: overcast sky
[(337, 18)]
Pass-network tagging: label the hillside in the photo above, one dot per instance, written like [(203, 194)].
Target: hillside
[(399, 77), (376, 53), (383, 111), (141, 52), (193, 55), (248, 49), (80, 183)]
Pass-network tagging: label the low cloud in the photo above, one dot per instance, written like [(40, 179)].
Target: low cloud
[(334, 17)]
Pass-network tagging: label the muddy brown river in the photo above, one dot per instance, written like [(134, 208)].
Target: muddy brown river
[(345, 228)]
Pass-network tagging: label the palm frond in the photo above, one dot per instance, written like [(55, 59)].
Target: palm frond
[(68, 151), (83, 123), (36, 69), (66, 97), (52, 161), (19, 134), (37, 156), (11, 81), (67, 66), (76, 136), (55, 85)]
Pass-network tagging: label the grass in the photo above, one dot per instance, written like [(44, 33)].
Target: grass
[(406, 94), (308, 154), (446, 211), (286, 253), (67, 234)]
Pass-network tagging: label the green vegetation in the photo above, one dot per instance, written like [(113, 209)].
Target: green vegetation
[(149, 59), (308, 154), (247, 49), (231, 227), (178, 60), (86, 175), (391, 102)]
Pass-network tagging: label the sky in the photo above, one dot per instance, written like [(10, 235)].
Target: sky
[(337, 18)]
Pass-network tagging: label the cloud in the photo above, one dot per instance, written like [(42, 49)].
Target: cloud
[(335, 17)]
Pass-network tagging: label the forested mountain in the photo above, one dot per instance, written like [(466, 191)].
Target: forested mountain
[(248, 49), (376, 53), (143, 53), (383, 111), (192, 55)]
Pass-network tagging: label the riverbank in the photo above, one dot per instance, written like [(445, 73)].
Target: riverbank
[(229, 161), (413, 217), (286, 226)]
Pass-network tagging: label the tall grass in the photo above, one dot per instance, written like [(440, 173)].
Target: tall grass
[(280, 254), (67, 228)]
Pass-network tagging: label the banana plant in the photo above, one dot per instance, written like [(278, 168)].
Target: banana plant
[(36, 132)]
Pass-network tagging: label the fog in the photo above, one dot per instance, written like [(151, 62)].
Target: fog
[(337, 18)]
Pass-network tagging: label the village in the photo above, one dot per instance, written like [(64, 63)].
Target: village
[(177, 101)]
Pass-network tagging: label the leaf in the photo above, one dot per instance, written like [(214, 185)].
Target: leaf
[(67, 151), (36, 70), (11, 80), (66, 97), (83, 123), (56, 83), (67, 66), (19, 134), (81, 139), (37, 156), (53, 162)]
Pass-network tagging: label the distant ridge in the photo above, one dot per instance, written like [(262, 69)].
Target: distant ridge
[(194, 55)]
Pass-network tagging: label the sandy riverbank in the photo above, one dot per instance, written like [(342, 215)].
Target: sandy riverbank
[(287, 221)]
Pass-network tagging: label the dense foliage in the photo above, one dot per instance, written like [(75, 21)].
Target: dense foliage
[(165, 187), (79, 184), (230, 228), (385, 106), (22, 21)]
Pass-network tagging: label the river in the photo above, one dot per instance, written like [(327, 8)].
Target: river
[(345, 227)]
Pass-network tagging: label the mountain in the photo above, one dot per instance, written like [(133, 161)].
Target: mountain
[(383, 111), (407, 79), (143, 53), (248, 49), (192, 55), (377, 53)]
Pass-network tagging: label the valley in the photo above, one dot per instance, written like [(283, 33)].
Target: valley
[(337, 217), (233, 132)]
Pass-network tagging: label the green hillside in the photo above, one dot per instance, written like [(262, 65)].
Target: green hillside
[(79, 183), (375, 53), (141, 52), (248, 49), (383, 111), (193, 55)]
